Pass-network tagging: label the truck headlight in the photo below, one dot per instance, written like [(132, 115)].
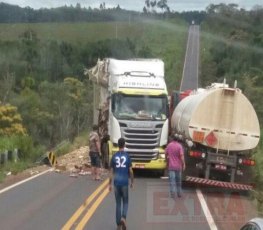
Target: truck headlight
[(162, 155)]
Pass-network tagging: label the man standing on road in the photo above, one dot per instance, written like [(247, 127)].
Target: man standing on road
[(94, 152), (121, 169), (176, 163)]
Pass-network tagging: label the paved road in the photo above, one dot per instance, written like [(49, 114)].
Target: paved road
[(150, 208), (45, 202), (57, 201), (54, 200), (191, 65)]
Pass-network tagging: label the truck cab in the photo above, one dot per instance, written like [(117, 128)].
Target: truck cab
[(137, 111)]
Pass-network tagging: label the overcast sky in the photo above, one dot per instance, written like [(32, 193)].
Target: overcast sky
[(175, 5)]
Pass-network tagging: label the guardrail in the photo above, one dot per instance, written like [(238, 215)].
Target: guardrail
[(9, 155)]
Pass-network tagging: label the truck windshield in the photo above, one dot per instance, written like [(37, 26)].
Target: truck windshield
[(140, 107)]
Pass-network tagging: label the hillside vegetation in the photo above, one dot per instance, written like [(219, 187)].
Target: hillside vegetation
[(42, 68), (42, 58), (232, 49)]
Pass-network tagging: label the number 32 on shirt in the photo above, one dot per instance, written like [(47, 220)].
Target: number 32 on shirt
[(120, 162)]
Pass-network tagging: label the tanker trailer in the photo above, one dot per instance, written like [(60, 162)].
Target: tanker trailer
[(219, 129)]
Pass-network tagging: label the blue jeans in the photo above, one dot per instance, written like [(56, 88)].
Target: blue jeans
[(122, 199), (175, 179)]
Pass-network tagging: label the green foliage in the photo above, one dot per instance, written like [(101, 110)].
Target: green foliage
[(23, 143), (14, 168), (10, 14), (50, 91), (81, 140), (63, 148), (2, 176), (43, 72), (258, 178), (66, 146), (10, 121), (258, 172)]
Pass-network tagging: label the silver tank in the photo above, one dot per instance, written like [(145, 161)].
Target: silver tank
[(219, 117)]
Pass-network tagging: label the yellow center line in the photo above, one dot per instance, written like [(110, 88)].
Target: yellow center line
[(77, 214), (92, 209)]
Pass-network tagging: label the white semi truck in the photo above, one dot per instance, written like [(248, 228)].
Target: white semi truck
[(131, 101), (219, 129)]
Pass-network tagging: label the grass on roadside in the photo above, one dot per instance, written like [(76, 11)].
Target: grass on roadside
[(13, 168)]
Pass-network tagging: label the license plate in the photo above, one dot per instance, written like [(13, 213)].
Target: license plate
[(220, 167), (139, 166)]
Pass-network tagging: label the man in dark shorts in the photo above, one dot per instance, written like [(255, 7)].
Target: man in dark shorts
[(121, 169), (94, 153)]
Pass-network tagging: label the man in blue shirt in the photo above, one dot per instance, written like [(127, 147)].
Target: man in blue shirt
[(121, 169)]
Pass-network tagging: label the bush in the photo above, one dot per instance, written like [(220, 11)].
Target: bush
[(81, 140), (17, 167), (63, 148), (24, 144), (258, 178), (66, 146)]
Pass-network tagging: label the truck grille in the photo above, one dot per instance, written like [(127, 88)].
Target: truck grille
[(142, 143)]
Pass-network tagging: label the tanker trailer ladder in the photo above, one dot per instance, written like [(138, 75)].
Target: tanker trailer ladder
[(233, 97), (234, 110)]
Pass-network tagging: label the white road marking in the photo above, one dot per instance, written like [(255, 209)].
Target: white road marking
[(206, 210), (23, 181), (164, 177)]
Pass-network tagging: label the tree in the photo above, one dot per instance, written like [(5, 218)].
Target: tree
[(144, 10), (75, 92), (10, 121), (255, 93), (30, 49), (147, 3), (6, 86), (103, 6), (162, 4)]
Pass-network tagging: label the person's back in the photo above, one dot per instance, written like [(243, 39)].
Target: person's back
[(121, 169), (175, 157), (121, 164), (174, 152)]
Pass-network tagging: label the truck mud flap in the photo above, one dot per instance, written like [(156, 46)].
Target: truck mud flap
[(222, 184)]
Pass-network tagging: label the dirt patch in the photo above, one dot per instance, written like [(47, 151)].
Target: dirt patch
[(75, 162)]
